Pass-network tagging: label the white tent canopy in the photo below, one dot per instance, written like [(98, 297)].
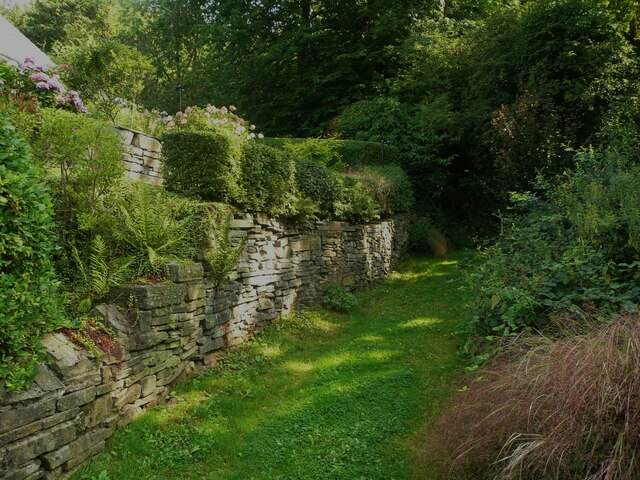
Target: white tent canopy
[(15, 47)]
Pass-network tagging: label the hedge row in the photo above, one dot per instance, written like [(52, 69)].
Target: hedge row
[(350, 153), (259, 178)]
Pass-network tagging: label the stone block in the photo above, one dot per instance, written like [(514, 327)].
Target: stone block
[(147, 297), (37, 426), (12, 418), (306, 243), (185, 272), (46, 441), (75, 368), (113, 317), (24, 472), (243, 223), (46, 380), (126, 136), (148, 385), (76, 399), (128, 414), (195, 291), (212, 346), (127, 396), (98, 411), (149, 143)]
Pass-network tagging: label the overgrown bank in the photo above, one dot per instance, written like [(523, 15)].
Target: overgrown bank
[(321, 395)]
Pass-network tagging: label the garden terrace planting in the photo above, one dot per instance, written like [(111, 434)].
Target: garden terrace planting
[(165, 331), (192, 172)]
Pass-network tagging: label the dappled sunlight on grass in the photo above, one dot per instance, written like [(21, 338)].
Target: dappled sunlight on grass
[(420, 323), (271, 351), (317, 396), (371, 339)]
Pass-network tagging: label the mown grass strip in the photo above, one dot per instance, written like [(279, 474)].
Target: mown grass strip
[(318, 396)]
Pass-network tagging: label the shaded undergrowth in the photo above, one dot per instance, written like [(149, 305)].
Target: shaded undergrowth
[(320, 395)]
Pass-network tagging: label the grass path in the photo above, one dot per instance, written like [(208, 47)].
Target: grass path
[(318, 396)]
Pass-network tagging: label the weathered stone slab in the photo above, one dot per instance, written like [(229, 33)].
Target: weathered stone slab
[(77, 398), (147, 297), (46, 441), (185, 272)]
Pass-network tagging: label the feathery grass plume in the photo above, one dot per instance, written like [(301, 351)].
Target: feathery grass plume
[(566, 409)]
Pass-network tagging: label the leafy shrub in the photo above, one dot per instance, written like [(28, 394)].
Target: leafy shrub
[(540, 265), (356, 203), (317, 151), (319, 184), (390, 187), (575, 243), (85, 158), (425, 237), (29, 298), (337, 297), (202, 164), (268, 179), (563, 410)]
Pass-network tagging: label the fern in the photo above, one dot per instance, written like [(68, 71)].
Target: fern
[(98, 273), (221, 255), (156, 227)]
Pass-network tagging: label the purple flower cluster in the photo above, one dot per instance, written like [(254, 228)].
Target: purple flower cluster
[(29, 65), (77, 101), (48, 79)]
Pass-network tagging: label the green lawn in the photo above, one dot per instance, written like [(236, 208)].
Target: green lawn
[(318, 396)]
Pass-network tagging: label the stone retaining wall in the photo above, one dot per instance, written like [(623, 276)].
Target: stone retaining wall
[(141, 158), (165, 332)]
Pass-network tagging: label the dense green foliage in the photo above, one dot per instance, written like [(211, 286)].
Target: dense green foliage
[(84, 159), (320, 395), (473, 99), (390, 186), (575, 244), (30, 302), (154, 227), (336, 297), (320, 184), (267, 179), (202, 164), (221, 253), (337, 153), (259, 178)]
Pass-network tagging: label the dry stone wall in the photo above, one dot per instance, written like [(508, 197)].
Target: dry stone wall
[(167, 331), (141, 157)]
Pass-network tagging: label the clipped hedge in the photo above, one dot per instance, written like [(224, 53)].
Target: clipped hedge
[(202, 164), (336, 152), (320, 184), (268, 179), (357, 203), (30, 303)]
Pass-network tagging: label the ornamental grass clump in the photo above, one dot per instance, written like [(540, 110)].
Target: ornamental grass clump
[(565, 409)]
